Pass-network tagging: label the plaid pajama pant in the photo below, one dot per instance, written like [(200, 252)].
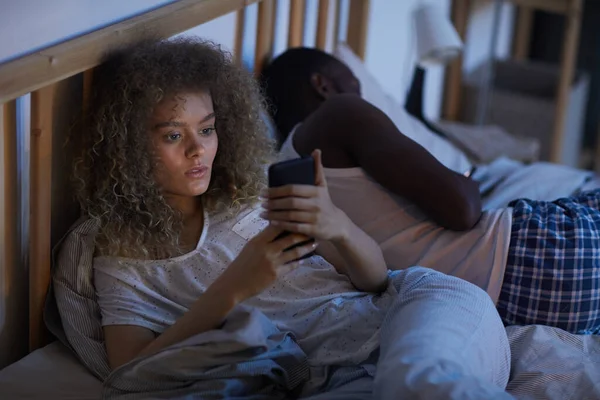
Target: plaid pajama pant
[(553, 268)]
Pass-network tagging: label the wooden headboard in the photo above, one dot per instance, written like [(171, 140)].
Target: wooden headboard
[(42, 93)]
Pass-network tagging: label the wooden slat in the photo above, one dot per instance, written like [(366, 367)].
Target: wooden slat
[(297, 19), (42, 102), (55, 63), (240, 29), (553, 6), (13, 275), (358, 26), (522, 37), (567, 72), (8, 191), (453, 83), (338, 22), (322, 24), (264, 34)]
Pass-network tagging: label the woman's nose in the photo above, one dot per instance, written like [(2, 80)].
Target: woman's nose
[(195, 148)]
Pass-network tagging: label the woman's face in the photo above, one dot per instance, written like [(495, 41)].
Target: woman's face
[(185, 143)]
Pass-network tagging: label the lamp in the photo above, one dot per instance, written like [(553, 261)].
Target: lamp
[(438, 43)]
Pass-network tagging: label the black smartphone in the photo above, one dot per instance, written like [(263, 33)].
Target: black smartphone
[(298, 171)]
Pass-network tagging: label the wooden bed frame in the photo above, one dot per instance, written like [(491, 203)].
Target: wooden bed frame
[(55, 82)]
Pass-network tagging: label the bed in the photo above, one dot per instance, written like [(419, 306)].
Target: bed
[(53, 84)]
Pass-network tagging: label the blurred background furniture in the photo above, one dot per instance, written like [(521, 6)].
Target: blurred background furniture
[(558, 137), (437, 43), (484, 144)]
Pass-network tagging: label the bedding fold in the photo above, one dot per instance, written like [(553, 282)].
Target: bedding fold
[(551, 364), (247, 358)]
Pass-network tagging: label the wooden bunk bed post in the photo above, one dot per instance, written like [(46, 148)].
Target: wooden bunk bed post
[(337, 23), (8, 192), (13, 276), (322, 24), (264, 34), (358, 26), (522, 33), (42, 102), (568, 64), (453, 84), (240, 28), (297, 17)]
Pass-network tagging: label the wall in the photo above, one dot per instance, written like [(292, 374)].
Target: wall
[(391, 45), (479, 33), (27, 25)]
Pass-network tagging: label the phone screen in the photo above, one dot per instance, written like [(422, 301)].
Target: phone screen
[(298, 171)]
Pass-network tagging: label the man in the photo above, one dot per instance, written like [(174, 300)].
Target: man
[(310, 86), (536, 259)]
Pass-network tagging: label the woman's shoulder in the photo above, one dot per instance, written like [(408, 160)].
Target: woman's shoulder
[(244, 220)]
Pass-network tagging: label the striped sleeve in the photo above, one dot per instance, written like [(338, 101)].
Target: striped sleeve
[(74, 293)]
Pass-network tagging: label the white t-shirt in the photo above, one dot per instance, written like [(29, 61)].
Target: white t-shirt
[(408, 237), (334, 323)]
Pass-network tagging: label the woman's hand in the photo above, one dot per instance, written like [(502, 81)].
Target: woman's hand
[(306, 209), (260, 262)]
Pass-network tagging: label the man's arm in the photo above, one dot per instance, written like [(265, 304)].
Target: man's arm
[(352, 132)]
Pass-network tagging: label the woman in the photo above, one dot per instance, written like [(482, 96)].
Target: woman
[(172, 170), (538, 260)]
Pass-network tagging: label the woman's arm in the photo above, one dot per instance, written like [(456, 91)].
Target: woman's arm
[(126, 342), (257, 266), (358, 256), (308, 210), (349, 126)]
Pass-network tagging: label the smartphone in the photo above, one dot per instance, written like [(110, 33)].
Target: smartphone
[(298, 171)]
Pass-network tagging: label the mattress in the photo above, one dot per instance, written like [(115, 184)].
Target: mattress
[(52, 372)]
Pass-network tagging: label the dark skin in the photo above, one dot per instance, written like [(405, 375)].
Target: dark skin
[(352, 133)]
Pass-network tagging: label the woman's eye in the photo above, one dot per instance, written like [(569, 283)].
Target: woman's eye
[(173, 136), (207, 131)]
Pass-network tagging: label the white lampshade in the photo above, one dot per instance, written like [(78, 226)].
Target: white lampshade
[(437, 40)]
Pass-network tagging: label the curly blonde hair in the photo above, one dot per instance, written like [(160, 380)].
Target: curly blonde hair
[(114, 171)]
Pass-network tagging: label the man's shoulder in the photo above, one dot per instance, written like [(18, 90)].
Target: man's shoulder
[(345, 105), (335, 118)]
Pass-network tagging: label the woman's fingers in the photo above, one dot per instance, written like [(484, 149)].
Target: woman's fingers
[(268, 234), (287, 268), (298, 252), (288, 240), (290, 203), (319, 172), (305, 191), (296, 227), (290, 216)]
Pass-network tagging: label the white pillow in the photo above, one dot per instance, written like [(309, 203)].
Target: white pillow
[(441, 149)]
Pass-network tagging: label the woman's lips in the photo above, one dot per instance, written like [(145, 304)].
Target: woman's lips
[(196, 172)]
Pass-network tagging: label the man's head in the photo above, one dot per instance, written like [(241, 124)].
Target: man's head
[(299, 80)]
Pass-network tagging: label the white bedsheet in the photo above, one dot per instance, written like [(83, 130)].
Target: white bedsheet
[(505, 180), (548, 364), (551, 364), (50, 373)]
